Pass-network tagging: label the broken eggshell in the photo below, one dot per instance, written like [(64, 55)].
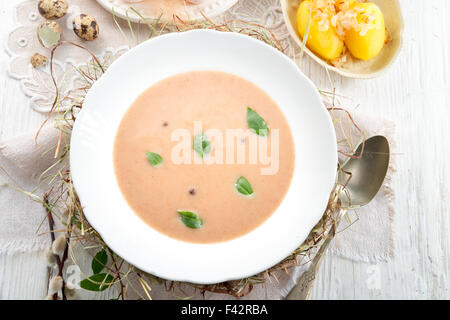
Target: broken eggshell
[(37, 60), (49, 34)]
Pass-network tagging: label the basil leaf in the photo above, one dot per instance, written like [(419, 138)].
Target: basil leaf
[(256, 123), (244, 187), (190, 219), (154, 158), (201, 144), (97, 282), (99, 261)]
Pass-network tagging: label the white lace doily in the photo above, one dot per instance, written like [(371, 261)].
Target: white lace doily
[(37, 83)]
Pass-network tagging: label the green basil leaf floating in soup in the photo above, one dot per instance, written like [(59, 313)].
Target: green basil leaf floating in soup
[(244, 187), (256, 123), (97, 282), (190, 219), (154, 158), (201, 144)]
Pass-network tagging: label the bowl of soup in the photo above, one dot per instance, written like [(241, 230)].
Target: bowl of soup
[(203, 156)]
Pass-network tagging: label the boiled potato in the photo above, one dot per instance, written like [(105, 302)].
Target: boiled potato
[(367, 45), (326, 44), (345, 4)]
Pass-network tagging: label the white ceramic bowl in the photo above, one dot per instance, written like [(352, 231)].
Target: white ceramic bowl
[(210, 9), (92, 167)]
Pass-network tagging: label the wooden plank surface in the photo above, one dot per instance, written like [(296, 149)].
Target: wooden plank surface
[(415, 94)]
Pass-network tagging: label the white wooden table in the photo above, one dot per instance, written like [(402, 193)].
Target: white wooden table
[(415, 93)]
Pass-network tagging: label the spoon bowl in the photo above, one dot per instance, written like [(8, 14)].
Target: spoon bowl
[(367, 172)]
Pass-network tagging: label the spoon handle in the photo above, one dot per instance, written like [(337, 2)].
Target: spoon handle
[(305, 282)]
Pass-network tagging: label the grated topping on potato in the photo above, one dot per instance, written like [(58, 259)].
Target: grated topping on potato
[(342, 15)]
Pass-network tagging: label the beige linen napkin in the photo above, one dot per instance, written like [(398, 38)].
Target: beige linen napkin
[(370, 237), (21, 218)]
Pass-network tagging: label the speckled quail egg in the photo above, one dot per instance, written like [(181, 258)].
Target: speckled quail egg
[(86, 27), (52, 9)]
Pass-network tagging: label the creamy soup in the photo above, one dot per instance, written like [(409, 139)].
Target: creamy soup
[(207, 143)]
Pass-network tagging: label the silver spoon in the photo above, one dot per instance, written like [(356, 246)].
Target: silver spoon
[(367, 176)]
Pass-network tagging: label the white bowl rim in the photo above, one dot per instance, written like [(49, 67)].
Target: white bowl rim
[(273, 258), (210, 11)]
